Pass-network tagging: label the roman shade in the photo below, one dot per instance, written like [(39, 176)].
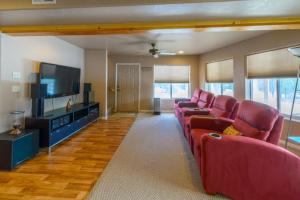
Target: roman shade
[(277, 63), (220, 72), (171, 74)]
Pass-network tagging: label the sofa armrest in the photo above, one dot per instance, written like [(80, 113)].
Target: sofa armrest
[(181, 100), (246, 168), (189, 112), (187, 105), (210, 122)]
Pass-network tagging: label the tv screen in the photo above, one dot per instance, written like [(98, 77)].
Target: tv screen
[(60, 80)]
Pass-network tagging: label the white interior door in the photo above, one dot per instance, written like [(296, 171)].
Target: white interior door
[(127, 87)]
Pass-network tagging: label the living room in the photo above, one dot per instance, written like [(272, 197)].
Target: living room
[(88, 95)]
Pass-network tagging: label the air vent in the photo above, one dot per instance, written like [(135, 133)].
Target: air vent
[(36, 2)]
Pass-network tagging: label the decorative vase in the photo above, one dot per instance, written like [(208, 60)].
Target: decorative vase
[(17, 120), (69, 105)]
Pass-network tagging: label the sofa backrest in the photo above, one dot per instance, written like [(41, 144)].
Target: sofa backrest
[(259, 121), (235, 111), (276, 132), (223, 106), (196, 95), (205, 99)]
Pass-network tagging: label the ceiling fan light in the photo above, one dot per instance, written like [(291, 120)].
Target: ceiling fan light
[(155, 55)]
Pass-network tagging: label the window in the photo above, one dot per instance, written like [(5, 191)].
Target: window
[(162, 90), (227, 89), (287, 89), (264, 91), (171, 90), (276, 92), (219, 77), (270, 79), (220, 88), (171, 82), (179, 90)]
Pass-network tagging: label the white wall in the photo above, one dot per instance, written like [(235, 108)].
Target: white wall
[(22, 54)]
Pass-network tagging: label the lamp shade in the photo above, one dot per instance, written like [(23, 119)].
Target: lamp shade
[(295, 51)]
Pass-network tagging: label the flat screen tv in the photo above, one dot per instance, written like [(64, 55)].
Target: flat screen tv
[(60, 80)]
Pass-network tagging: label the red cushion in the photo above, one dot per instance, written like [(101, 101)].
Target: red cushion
[(255, 119), (205, 99), (195, 97), (196, 135), (249, 169), (247, 130), (195, 142), (223, 106)]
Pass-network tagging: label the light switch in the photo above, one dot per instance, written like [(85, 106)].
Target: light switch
[(16, 75), (16, 89)]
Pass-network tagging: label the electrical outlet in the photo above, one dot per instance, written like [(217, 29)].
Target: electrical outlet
[(16, 75)]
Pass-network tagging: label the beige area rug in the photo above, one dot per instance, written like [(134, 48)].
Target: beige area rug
[(152, 163)]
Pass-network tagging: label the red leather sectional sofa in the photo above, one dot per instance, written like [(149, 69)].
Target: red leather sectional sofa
[(248, 166)]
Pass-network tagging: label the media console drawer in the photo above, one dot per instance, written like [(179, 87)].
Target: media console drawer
[(59, 124)]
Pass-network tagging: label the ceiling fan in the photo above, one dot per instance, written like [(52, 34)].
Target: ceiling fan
[(155, 52)]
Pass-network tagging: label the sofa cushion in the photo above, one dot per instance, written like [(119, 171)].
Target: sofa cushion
[(205, 99), (195, 139), (255, 119), (223, 106), (195, 97)]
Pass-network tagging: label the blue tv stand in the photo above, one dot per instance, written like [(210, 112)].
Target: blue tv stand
[(15, 149), (58, 125)]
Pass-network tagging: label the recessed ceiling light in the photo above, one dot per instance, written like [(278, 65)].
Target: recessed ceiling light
[(181, 52)]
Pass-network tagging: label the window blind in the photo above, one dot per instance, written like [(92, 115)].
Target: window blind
[(171, 74), (220, 72), (277, 63)]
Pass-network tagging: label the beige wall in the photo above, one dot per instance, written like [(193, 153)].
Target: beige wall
[(96, 73), (22, 54), (239, 51), (147, 63)]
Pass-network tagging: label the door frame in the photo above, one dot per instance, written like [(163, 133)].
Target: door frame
[(116, 84)]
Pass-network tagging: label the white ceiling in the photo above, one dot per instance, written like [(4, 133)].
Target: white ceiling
[(144, 13), (192, 43)]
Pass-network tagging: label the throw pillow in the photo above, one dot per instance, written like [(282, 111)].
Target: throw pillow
[(230, 130)]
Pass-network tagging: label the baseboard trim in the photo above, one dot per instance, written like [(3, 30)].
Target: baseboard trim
[(104, 118), (162, 111), (146, 111), (167, 111)]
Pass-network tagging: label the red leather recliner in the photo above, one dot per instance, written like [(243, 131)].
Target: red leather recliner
[(244, 168), (255, 120), (205, 102), (183, 102), (223, 107)]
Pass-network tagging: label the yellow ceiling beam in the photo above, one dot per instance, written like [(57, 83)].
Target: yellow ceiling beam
[(127, 28), (27, 4)]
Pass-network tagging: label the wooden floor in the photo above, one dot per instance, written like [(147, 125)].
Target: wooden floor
[(73, 167)]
